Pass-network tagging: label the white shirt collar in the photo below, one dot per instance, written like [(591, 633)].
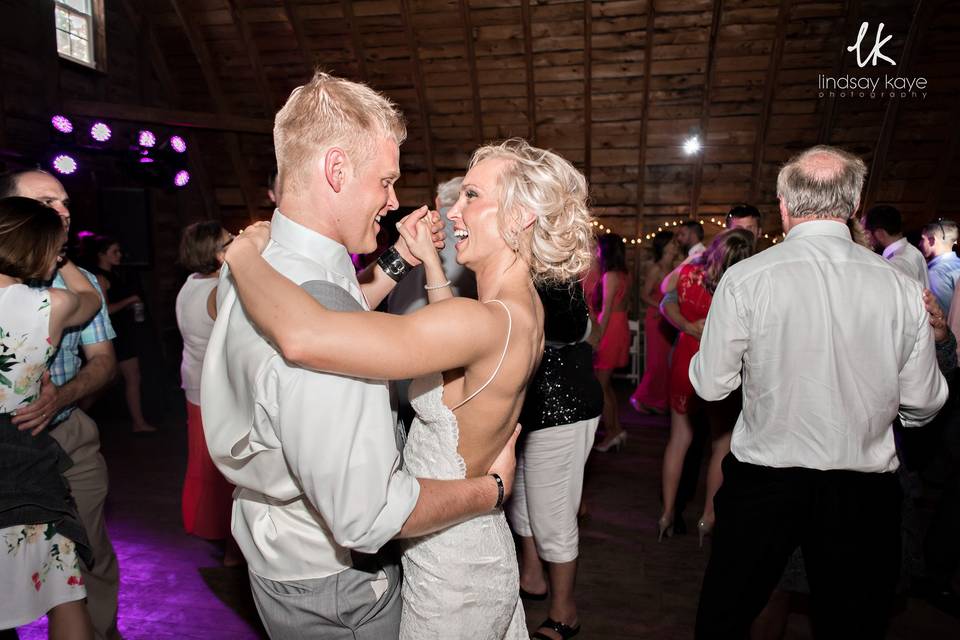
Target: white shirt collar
[(820, 228), (893, 247), (310, 244)]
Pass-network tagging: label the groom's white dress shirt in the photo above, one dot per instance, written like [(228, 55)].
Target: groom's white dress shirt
[(831, 344), (313, 455)]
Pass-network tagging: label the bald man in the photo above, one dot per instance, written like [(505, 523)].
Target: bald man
[(831, 343)]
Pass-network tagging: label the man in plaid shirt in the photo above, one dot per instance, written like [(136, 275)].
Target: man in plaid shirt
[(73, 429)]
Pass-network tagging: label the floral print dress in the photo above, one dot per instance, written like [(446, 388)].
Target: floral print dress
[(39, 567)]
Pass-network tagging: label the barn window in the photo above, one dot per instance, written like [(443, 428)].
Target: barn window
[(79, 25)]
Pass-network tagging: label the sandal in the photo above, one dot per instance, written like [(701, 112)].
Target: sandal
[(565, 631)]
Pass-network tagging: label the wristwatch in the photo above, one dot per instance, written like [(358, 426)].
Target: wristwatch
[(393, 264)]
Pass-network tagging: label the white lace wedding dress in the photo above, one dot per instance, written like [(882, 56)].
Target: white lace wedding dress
[(461, 582)]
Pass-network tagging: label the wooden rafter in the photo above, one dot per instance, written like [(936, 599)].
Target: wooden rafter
[(421, 90), (830, 109), (921, 15), (171, 117), (301, 37), (705, 112), (259, 74), (159, 63), (472, 69), (587, 89), (952, 144), (773, 71), (645, 114), (528, 60), (356, 39), (200, 51)]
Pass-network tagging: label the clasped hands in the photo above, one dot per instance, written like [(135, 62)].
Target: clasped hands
[(421, 236)]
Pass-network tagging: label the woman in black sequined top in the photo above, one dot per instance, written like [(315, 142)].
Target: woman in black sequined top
[(559, 417)]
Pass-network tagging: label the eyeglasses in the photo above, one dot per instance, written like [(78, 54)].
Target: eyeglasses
[(223, 247)]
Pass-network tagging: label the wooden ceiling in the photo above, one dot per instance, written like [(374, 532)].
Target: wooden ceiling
[(614, 86)]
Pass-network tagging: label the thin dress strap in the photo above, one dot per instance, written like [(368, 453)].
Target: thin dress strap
[(502, 356)]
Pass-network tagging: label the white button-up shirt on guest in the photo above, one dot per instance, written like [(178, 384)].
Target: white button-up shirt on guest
[(908, 260), (313, 455), (831, 344)]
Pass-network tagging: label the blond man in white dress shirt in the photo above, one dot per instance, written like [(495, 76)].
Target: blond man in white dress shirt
[(320, 488), (831, 344)]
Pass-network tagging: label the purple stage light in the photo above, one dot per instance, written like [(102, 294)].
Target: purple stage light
[(62, 124), (146, 160), (177, 144), (146, 139), (182, 178), (100, 132), (64, 164)]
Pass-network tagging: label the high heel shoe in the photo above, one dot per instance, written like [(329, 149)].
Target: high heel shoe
[(703, 530), (616, 443), (664, 528)]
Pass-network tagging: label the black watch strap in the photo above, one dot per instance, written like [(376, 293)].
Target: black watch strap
[(393, 264)]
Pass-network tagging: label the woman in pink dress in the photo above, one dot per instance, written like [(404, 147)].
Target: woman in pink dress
[(696, 283), (651, 395), (610, 300)]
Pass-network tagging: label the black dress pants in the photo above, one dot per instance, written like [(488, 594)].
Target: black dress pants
[(847, 525)]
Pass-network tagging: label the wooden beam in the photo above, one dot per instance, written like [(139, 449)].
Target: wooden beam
[(200, 51), (259, 74), (421, 90), (171, 117), (157, 58), (705, 112), (50, 58), (472, 70), (830, 110), (298, 33), (356, 38), (528, 60), (587, 88), (773, 71), (921, 16), (935, 193), (645, 115), (152, 50)]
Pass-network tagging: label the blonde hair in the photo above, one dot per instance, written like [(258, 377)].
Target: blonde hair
[(331, 112), (559, 245)]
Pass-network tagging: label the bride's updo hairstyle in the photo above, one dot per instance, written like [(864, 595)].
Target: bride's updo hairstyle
[(559, 245)]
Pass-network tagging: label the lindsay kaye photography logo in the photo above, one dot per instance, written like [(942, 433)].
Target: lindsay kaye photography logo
[(873, 86)]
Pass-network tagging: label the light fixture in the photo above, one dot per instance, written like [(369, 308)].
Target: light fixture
[(64, 164), (62, 124), (178, 144), (100, 131), (181, 178), (691, 145), (146, 139)]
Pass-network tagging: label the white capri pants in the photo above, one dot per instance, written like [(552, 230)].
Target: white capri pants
[(548, 486)]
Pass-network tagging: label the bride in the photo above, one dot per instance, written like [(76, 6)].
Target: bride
[(521, 218)]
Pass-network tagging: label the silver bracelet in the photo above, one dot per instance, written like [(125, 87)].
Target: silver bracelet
[(436, 286)]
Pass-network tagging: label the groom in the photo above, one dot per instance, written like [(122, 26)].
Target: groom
[(313, 455)]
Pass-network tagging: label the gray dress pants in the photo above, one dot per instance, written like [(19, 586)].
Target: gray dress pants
[(359, 603)]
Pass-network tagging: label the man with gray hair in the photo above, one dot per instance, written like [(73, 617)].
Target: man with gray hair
[(831, 344)]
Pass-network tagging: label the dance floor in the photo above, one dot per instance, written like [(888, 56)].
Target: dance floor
[(629, 586)]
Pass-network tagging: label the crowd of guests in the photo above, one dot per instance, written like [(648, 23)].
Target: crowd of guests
[(804, 366)]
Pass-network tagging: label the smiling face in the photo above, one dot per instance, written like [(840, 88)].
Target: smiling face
[(475, 215), (369, 194)]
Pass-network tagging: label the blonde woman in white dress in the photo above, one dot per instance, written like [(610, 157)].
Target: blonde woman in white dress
[(521, 218)]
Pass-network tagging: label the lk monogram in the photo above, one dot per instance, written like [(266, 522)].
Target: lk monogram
[(875, 52)]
